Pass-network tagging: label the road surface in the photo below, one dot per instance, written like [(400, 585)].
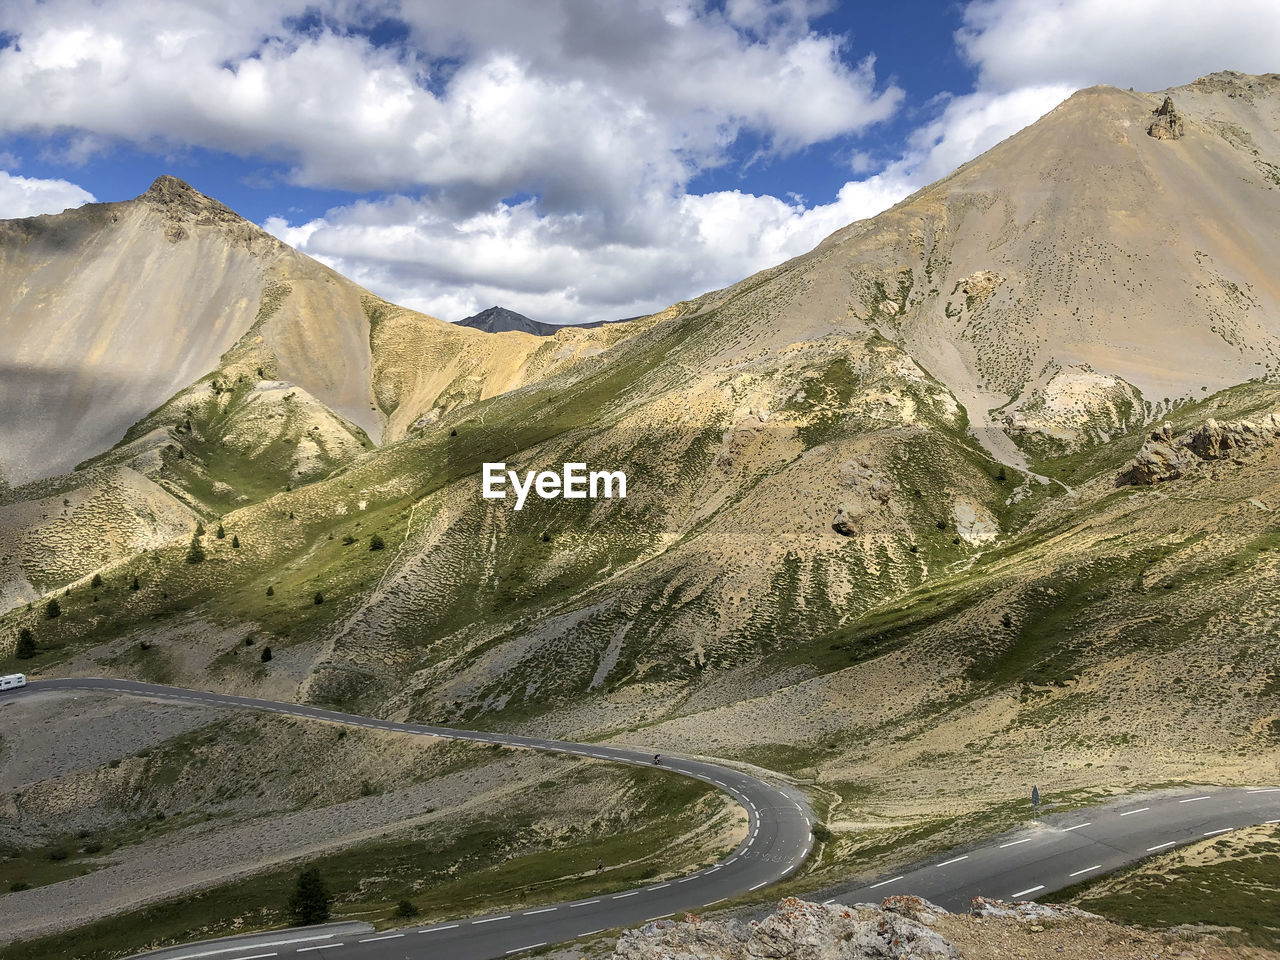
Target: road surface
[(1056, 852), (778, 840)]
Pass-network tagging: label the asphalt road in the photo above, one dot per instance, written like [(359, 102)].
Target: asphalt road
[(778, 840), (1070, 848), (1056, 852)]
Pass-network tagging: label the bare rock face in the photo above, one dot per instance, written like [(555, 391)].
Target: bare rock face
[(1163, 457), (799, 930), (1167, 124), (1160, 459), (1220, 441), (1027, 910), (981, 283), (845, 522)]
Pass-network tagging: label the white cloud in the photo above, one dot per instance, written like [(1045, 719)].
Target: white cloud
[(581, 104), (29, 197), (1147, 44)]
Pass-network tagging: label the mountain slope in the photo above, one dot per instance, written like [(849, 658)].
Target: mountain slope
[(502, 320), (807, 450)]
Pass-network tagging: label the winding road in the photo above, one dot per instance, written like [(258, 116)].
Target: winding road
[(779, 838), (1055, 852)]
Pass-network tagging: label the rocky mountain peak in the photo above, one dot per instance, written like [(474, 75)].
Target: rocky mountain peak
[(178, 200)]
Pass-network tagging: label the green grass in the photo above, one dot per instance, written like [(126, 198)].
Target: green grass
[(1242, 892), (448, 870)]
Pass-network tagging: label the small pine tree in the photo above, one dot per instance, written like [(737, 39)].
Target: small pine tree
[(52, 609), (221, 532), (406, 909), (375, 542), (199, 529), (319, 598), (310, 901), (96, 582), (135, 585), (266, 654), (26, 644), (271, 591), (235, 541), (195, 553)]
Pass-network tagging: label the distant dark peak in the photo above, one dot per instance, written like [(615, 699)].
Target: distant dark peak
[(502, 320)]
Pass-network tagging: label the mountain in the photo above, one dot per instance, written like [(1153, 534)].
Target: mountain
[(112, 309), (502, 320), (873, 532)]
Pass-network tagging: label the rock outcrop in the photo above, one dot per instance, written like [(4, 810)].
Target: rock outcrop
[(902, 927), (1168, 123), (1164, 457), (799, 929)]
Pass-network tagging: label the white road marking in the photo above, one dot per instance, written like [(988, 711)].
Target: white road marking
[(1192, 799), (532, 946), (762, 883), (505, 916), (714, 902), (1077, 826), (592, 933), (827, 903), (1273, 821), (629, 893), (883, 882), (530, 913), (1130, 813), (659, 886), (658, 917), (713, 869), (447, 926), (1014, 843), (687, 879), (1161, 846), (388, 936), (1266, 790), (1210, 833), (1023, 893), (584, 903), (948, 863), (1096, 866), (728, 862), (252, 946), (318, 946)]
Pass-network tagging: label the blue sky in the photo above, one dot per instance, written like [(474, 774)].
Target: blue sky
[(571, 159)]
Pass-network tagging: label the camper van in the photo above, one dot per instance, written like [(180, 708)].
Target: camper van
[(12, 681)]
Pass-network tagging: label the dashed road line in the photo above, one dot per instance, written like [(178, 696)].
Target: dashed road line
[(629, 893), (884, 882), (1130, 813), (532, 946), (1096, 866), (1077, 827), (532, 913), (1193, 799), (385, 936), (584, 903), (318, 946), (1014, 843), (1211, 833), (505, 916), (447, 926), (948, 863), (762, 883), (1161, 846), (660, 886), (1023, 893)]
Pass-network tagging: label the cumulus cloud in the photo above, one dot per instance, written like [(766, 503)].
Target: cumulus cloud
[(559, 268), (1147, 44), (581, 104), (29, 197)]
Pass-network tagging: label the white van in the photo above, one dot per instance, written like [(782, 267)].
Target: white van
[(12, 681)]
